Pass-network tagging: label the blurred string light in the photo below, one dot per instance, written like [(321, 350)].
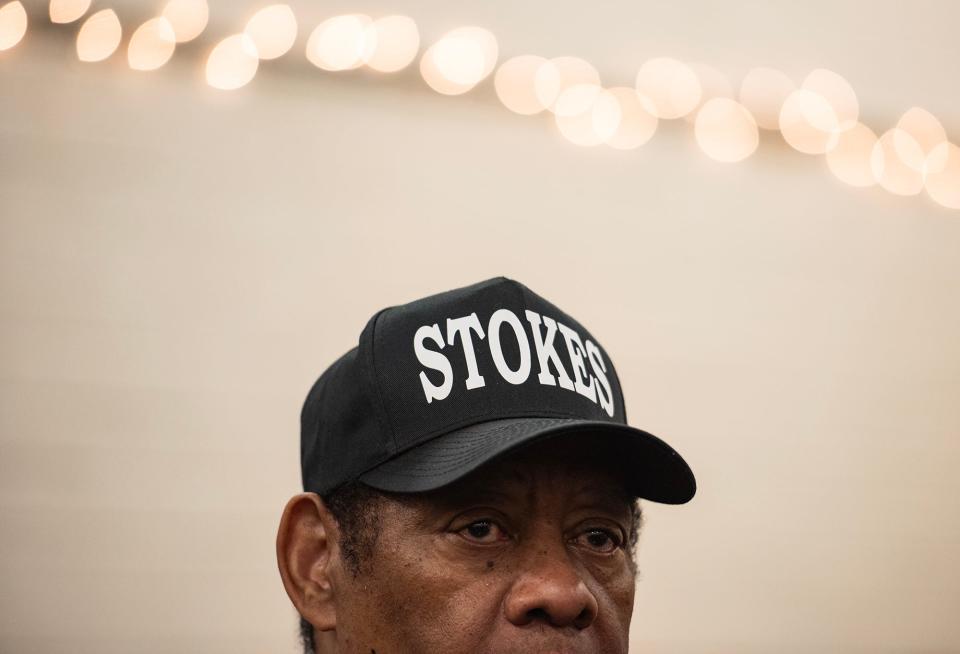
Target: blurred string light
[(99, 36), (584, 112), (819, 116), (152, 45), (637, 120), (273, 30), (587, 114), (850, 158), (559, 74), (891, 170), (391, 43), (814, 115), (515, 84), (187, 17), (387, 45), (341, 42), (725, 130), (713, 84), (671, 86), (837, 92), (916, 140), (232, 63), (68, 11), (459, 60), (943, 185), (13, 24), (808, 122)]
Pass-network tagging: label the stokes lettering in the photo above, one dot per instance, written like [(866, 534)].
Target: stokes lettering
[(594, 386)]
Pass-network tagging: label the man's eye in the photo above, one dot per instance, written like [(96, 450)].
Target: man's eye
[(483, 531), (599, 540)]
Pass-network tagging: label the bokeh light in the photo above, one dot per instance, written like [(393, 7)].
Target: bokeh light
[(587, 115), (13, 24), (726, 131), (713, 84), (560, 73), (838, 93), (637, 123), (943, 186), (152, 45), (188, 18), (232, 63), (99, 36), (576, 99), (273, 30), (606, 115), (925, 135), (515, 83), (435, 79), (808, 122), (671, 85), (820, 116), (763, 92), (67, 11), (393, 42), (890, 170), (850, 159), (340, 43), (459, 60)]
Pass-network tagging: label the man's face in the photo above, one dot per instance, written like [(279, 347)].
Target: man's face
[(528, 554)]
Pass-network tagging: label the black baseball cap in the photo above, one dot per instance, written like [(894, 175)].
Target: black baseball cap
[(439, 386)]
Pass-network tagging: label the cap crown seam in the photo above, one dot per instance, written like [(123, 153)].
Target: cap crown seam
[(383, 419)]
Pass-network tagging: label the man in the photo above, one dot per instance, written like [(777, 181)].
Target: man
[(471, 485)]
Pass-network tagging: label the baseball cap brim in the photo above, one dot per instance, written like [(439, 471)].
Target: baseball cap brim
[(654, 470)]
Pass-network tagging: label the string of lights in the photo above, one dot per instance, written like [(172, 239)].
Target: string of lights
[(819, 116)]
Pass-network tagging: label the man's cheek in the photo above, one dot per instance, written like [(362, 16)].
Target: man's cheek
[(615, 598), (451, 607)]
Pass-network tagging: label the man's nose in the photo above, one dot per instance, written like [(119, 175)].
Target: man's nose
[(551, 590)]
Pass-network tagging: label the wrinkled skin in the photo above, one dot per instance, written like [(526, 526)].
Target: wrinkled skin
[(528, 554)]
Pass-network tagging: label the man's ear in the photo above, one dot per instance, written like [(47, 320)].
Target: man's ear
[(307, 547)]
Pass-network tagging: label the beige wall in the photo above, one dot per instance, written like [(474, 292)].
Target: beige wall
[(177, 265)]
